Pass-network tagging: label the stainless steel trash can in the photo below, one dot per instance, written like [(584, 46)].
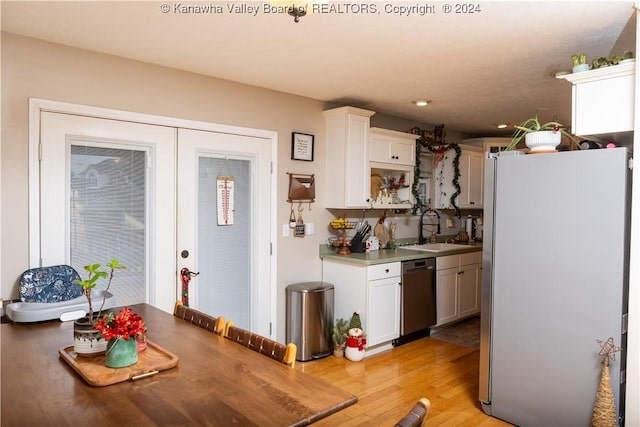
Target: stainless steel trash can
[(310, 319)]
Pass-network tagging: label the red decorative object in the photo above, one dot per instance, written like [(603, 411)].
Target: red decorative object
[(186, 275), (125, 324), (358, 342)]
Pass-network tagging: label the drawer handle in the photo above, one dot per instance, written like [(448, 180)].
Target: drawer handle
[(386, 270)]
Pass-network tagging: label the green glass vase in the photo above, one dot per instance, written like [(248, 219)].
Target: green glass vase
[(121, 353)]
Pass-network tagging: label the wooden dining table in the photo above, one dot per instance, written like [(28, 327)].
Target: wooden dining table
[(216, 382)]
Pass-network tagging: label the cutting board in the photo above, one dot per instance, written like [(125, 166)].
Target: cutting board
[(381, 232)]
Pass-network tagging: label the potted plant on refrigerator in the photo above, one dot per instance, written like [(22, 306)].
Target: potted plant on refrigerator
[(540, 137), (87, 341)]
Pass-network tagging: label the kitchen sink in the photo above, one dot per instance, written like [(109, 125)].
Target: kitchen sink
[(436, 247)]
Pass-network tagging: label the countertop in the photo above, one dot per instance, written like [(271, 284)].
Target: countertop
[(390, 255)]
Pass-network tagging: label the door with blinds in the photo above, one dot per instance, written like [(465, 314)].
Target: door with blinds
[(224, 240), (160, 200), (106, 192)]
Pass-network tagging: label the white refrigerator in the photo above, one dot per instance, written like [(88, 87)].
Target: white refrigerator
[(555, 281)]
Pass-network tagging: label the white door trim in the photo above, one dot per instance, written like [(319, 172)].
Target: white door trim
[(37, 105)]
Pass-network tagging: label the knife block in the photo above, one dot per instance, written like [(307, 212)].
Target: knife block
[(358, 246)]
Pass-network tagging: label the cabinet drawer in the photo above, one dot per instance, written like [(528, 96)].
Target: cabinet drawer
[(381, 271), (452, 261), (449, 261), (471, 258)]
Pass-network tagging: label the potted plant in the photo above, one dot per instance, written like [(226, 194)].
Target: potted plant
[(600, 62), (339, 337), (540, 137), (86, 339), (579, 63), (120, 331)]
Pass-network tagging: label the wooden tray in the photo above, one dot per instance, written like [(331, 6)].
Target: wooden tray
[(94, 371)]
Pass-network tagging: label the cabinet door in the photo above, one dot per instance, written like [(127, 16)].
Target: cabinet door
[(347, 177), (443, 188), (389, 149), (383, 310), (405, 152), (380, 148), (603, 100), (469, 290), (447, 295), (470, 180), (475, 180)]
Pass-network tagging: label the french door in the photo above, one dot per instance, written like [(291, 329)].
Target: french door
[(224, 233), (101, 197), (147, 195)]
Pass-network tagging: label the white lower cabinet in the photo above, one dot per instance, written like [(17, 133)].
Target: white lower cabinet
[(470, 286), (373, 290), (458, 286)]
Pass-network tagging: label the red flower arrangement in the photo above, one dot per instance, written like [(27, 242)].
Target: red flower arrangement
[(125, 324)]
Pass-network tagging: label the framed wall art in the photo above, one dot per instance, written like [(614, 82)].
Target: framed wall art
[(302, 146)]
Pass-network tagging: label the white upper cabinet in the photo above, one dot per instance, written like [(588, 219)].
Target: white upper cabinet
[(603, 100), (388, 146), (471, 166), (392, 156), (488, 144), (471, 179), (347, 182)]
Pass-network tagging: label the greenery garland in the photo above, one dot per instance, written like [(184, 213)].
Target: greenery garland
[(421, 142)]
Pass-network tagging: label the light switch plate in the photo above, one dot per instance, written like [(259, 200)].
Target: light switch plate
[(285, 230), (308, 228)]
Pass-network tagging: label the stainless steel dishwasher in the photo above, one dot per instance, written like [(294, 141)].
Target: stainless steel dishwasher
[(418, 300)]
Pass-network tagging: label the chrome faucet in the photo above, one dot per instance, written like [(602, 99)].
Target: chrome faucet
[(421, 225)]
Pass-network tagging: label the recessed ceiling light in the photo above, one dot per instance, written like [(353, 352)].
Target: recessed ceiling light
[(501, 125), (421, 102)]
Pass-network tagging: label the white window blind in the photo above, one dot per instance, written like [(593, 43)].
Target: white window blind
[(223, 250), (108, 216)]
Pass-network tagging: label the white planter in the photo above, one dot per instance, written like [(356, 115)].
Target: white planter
[(542, 141), (580, 67), (86, 341)]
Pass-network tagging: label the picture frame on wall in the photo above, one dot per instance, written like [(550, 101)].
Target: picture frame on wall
[(302, 146)]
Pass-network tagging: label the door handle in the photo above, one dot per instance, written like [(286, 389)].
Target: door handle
[(187, 274)]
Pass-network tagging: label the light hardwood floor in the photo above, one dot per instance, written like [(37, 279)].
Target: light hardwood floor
[(388, 385)]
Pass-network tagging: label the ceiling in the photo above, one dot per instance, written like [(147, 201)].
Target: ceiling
[(478, 69)]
